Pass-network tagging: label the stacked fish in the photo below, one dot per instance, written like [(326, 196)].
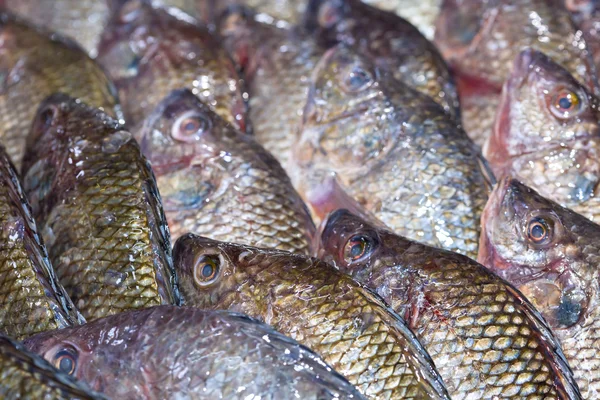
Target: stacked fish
[(299, 199)]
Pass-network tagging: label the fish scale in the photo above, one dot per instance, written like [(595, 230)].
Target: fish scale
[(347, 325), (483, 337), (101, 218)]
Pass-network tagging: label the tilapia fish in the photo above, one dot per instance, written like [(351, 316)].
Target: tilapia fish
[(24, 375), (547, 134), (549, 253), (421, 14), (31, 298), (276, 64), (485, 339), (149, 51), (312, 302), (35, 64), (392, 149), (218, 182), (97, 204), (480, 40), (169, 352), (390, 41)]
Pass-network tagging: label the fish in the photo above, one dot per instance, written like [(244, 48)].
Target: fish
[(149, 51), (34, 64), (455, 307), (349, 326), (547, 134), (393, 150), (99, 211), (32, 299), (276, 63), (219, 182), (390, 41), (586, 14), (480, 40), (26, 375), (282, 13), (421, 14), (168, 352), (550, 254)]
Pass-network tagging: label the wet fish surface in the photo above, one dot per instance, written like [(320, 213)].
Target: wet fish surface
[(31, 298), (219, 182), (480, 40), (421, 14), (485, 339), (390, 41), (549, 253), (25, 375), (99, 211), (150, 51), (35, 64), (547, 134), (276, 63), (179, 352), (392, 149), (310, 301)]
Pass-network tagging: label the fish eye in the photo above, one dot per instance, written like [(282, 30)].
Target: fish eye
[(189, 127), (66, 361), (357, 79), (47, 116), (566, 103), (130, 11), (357, 248), (207, 270), (328, 14), (539, 230)]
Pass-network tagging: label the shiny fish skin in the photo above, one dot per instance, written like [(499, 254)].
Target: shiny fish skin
[(149, 51), (390, 41), (35, 64), (169, 352), (31, 298), (394, 150), (421, 14), (276, 63), (559, 273), (486, 341), (480, 40), (218, 182), (310, 301), (552, 149), (24, 375), (95, 198), (283, 13)]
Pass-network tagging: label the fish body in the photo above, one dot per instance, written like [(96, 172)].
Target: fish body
[(150, 51), (170, 352), (550, 253), (313, 303), (455, 306), (547, 134), (392, 149), (28, 376), (35, 64), (100, 215), (32, 299), (219, 182), (421, 14), (390, 41)]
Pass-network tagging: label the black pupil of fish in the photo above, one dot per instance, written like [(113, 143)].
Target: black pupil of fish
[(47, 116), (191, 126), (207, 271), (358, 78), (538, 231), (65, 364), (358, 248), (565, 102)]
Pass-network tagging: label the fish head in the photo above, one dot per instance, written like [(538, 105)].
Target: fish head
[(526, 241)]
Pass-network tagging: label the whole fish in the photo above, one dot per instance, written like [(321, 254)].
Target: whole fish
[(95, 198), (276, 63), (455, 307), (32, 300), (392, 149), (547, 134), (480, 40), (390, 41), (312, 302), (219, 182), (550, 254), (149, 51), (27, 376), (169, 352), (35, 64), (421, 14)]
